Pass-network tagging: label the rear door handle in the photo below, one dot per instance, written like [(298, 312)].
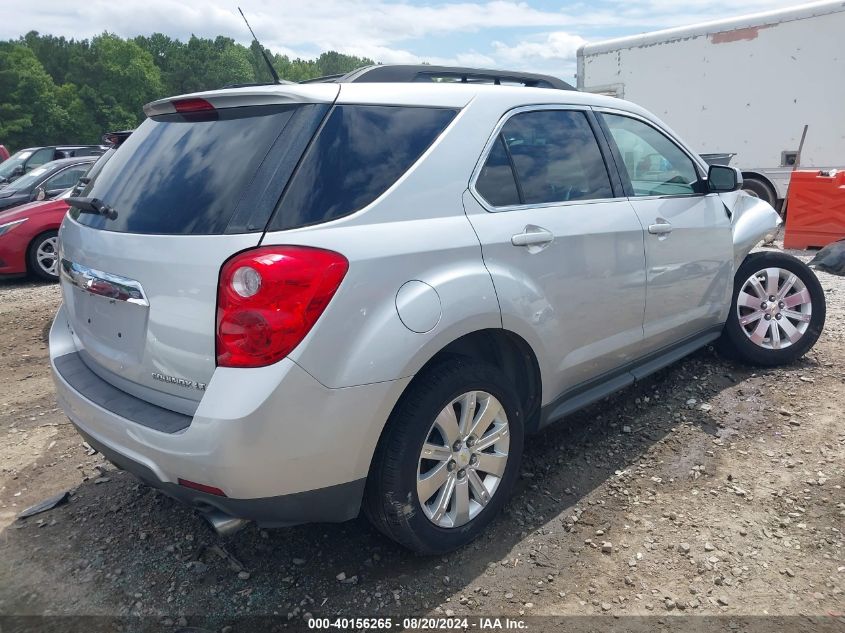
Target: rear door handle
[(660, 227), (533, 236)]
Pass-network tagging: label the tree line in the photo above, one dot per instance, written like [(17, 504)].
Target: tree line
[(56, 90)]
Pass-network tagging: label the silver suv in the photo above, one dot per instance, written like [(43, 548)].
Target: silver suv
[(289, 303)]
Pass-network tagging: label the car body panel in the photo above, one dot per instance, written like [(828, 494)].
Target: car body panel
[(263, 444), (585, 321), (40, 217), (690, 270), (173, 336), (313, 419), (752, 220)]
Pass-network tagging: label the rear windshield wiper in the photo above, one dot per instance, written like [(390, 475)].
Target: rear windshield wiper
[(93, 205)]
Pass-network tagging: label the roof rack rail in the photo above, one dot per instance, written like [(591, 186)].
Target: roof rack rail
[(413, 73)]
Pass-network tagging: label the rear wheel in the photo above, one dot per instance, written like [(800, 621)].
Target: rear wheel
[(448, 458), (43, 256), (777, 313)]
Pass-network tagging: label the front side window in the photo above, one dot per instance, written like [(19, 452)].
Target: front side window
[(655, 165), (554, 156)]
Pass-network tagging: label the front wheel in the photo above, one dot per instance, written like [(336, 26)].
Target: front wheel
[(777, 313), (448, 458), (43, 256)]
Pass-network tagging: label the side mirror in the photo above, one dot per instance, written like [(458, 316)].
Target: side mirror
[(722, 179), (40, 194)]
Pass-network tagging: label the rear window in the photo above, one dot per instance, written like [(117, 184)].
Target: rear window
[(358, 154), (185, 174)]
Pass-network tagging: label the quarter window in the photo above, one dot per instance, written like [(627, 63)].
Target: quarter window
[(655, 165), (357, 156), (554, 156), (496, 182)]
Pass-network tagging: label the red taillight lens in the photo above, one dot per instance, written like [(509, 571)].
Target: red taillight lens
[(268, 300), (192, 105)]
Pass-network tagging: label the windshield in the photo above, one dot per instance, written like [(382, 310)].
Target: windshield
[(26, 181), (15, 160)]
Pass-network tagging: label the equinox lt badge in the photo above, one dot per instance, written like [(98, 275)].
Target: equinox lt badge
[(182, 382)]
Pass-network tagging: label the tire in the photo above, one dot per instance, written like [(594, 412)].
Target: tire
[(760, 189), (36, 256), (392, 499), (746, 336)]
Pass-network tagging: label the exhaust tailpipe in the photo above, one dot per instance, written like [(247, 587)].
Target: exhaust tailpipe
[(224, 524)]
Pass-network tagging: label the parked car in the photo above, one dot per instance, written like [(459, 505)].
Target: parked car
[(287, 303), (29, 239), (28, 159), (29, 233), (47, 181), (4, 153)]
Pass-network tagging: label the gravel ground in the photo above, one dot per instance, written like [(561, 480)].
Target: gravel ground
[(709, 489)]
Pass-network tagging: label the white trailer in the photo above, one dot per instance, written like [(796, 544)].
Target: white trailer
[(743, 86)]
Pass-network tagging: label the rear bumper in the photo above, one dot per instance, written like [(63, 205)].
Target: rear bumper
[(284, 448), (332, 504)]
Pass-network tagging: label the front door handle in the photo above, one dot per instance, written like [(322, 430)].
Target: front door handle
[(533, 236), (660, 227)]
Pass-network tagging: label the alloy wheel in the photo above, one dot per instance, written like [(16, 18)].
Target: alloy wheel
[(463, 459), (774, 308), (47, 255)]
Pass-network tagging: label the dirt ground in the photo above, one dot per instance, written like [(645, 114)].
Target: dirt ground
[(709, 489)]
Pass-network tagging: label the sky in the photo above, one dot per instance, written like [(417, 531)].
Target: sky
[(531, 35)]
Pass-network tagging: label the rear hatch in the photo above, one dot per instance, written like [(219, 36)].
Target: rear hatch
[(193, 185)]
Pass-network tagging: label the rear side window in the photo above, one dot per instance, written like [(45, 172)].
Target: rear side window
[(185, 174), (357, 155), (556, 157)]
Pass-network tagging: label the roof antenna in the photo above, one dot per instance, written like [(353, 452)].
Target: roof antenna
[(272, 70)]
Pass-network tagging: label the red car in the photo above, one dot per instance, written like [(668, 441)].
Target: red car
[(29, 234), (29, 239)]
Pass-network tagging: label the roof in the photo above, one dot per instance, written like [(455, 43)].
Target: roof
[(718, 26), (446, 95)]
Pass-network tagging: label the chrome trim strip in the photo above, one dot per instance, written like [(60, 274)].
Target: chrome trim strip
[(97, 282)]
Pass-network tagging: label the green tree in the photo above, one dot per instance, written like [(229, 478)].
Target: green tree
[(57, 90), (29, 110)]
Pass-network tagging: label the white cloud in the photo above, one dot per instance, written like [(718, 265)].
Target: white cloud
[(384, 30), (558, 45)]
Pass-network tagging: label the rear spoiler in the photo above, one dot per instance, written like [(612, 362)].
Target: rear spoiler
[(283, 94)]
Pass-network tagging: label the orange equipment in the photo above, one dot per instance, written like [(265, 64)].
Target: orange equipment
[(816, 209)]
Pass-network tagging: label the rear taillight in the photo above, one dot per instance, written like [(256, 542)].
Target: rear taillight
[(268, 300)]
